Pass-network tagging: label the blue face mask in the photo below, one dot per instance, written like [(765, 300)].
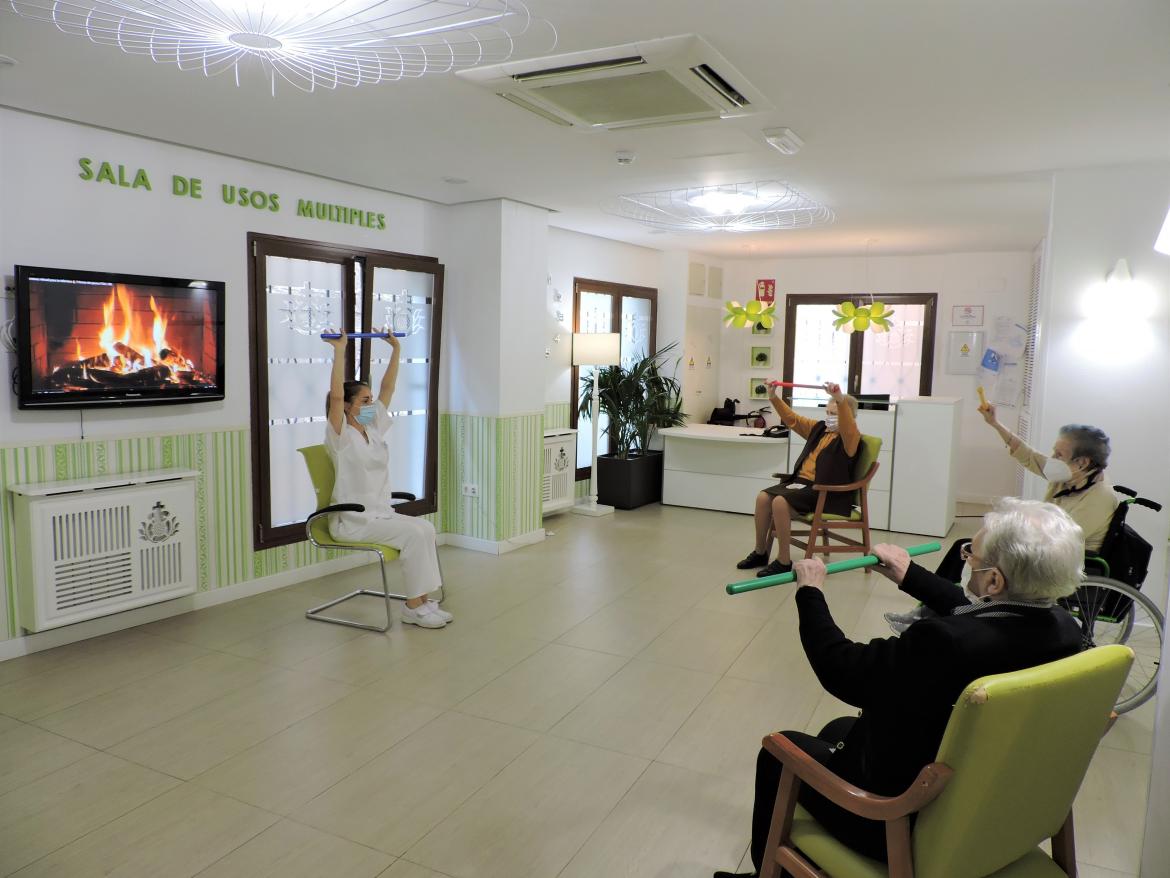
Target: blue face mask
[(365, 415)]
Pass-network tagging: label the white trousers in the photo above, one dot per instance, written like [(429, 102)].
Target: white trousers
[(413, 537)]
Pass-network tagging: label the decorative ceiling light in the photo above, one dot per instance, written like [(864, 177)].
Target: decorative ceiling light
[(734, 207), (310, 44)]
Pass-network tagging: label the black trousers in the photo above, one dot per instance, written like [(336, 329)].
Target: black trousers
[(864, 836)]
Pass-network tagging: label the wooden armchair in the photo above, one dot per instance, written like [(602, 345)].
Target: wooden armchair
[(1010, 764)]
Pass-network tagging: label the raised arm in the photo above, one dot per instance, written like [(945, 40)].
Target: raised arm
[(790, 419), (1028, 458), (846, 422), (336, 408), (390, 379)]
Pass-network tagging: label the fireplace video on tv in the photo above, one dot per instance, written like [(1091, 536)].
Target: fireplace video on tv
[(89, 338)]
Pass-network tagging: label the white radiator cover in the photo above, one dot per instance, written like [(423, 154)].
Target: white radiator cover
[(92, 551), (560, 469)]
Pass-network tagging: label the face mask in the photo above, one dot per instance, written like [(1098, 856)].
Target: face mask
[(1056, 470), (830, 422), (965, 582), (365, 415)]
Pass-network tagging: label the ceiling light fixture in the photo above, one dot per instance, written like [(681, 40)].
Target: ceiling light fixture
[(733, 207), (783, 140), (310, 44)]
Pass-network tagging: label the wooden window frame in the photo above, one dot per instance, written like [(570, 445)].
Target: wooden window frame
[(264, 534), (857, 339), (618, 291)]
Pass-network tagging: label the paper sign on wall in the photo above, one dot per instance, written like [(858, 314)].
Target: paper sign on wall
[(766, 290)]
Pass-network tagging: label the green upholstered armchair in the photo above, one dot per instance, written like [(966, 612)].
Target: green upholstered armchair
[(1011, 761)]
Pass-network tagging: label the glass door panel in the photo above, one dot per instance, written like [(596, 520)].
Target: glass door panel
[(636, 317), (891, 362), (820, 353), (302, 299), (594, 314)]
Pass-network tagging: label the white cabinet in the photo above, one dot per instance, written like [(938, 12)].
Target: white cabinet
[(925, 454), (712, 467), (560, 456)]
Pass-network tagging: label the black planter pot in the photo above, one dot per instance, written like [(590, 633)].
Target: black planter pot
[(629, 483)]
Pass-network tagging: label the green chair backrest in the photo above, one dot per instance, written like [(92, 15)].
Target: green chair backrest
[(1020, 744), (867, 453), (322, 475)]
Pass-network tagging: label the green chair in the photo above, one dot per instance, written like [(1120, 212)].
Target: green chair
[(1011, 761), (317, 529), (824, 526)]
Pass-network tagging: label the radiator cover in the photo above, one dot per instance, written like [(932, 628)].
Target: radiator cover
[(89, 548)]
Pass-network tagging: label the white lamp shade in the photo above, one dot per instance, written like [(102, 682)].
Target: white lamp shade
[(597, 348)]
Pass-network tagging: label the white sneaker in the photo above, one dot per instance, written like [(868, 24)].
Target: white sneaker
[(422, 616), (439, 611)]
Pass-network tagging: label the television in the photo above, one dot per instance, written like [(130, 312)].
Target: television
[(88, 338)]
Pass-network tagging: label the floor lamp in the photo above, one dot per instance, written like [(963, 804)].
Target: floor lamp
[(595, 349)]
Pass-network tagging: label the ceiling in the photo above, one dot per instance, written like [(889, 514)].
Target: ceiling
[(928, 126)]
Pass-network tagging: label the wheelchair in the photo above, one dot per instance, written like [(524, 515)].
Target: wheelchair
[(1111, 608)]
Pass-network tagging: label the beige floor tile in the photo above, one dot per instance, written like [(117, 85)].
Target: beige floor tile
[(1086, 870), (761, 604), (827, 710), (108, 719), (27, 753), (544, 687), (639, 709), (397, 798), (530, 819), (51, 659), (625, 627), (775, 655), (295, 642), (703, 640), (722, 737), (1133, 731), (407, 869), (371, 656), (678, 584), (550, 615), (39, 695), (1110, 810), (292, 850), (8, 723), (285, 771), (177, 835), (194, 742), (672, 822), (49, 813), (445, 677), (225, 624)]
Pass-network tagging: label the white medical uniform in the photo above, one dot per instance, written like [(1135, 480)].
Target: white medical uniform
[(362, 471)]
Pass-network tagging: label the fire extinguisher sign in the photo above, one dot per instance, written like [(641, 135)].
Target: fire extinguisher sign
[(766, 291)]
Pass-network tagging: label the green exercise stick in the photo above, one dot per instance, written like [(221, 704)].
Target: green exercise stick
[(835, 567)]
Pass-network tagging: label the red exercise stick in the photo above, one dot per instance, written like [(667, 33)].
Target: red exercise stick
[(790, 384)]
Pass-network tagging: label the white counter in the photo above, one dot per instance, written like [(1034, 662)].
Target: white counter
[(712, 467)]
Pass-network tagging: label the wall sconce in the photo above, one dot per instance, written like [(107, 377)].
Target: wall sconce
[(1117, 312)]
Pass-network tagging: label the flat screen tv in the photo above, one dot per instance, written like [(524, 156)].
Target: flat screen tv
[(90, 338)]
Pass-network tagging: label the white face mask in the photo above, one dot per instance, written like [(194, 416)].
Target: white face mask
[(1057, 470), (830, 422)]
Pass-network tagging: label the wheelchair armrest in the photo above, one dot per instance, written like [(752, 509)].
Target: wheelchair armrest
[(930, 782), (336, 507), (402, 495)]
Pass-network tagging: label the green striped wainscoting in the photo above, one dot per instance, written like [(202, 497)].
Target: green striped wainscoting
[(556, 414), (223, 498), (502, 457)]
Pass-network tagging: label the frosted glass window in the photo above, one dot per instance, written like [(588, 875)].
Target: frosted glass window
[(595, 312), (820, 353), (891, 362)]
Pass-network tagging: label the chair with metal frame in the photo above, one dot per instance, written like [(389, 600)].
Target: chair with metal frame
[(317, 530), (1011, 761)]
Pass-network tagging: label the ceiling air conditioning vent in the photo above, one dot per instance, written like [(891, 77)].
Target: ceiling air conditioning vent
[(668, 81)]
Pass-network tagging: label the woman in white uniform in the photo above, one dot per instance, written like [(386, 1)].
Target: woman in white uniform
[(356, 441)]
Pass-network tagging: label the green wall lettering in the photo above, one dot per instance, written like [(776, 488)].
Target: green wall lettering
[(191, 186), (86, 168)]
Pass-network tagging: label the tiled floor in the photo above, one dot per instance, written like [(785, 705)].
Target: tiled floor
[(595, 711)]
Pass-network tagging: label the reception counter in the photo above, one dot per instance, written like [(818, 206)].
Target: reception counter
[(711, 467)]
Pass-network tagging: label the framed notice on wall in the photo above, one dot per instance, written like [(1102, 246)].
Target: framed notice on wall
[(966, 315)]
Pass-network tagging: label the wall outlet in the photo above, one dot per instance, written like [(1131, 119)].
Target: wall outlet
[(470, 490)]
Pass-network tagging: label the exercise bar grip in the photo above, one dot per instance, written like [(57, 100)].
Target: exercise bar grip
[(363, 334), (746, 585)]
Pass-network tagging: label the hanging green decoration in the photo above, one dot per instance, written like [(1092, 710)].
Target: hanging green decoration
[(858, 318), (750, 314)]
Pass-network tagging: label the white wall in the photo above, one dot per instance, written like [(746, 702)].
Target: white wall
[(1116, 379), (51, 217), (523, 283), (998, 281), (572, 254)]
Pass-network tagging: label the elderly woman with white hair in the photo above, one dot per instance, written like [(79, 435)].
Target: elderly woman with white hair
[(1027, 556)]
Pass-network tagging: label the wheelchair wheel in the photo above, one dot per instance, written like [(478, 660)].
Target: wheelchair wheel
[(1113, 612)]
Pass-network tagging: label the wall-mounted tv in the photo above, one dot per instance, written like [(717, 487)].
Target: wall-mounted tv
[(90, 338)]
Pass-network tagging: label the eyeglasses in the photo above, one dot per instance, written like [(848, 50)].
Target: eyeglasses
[(965, 554)]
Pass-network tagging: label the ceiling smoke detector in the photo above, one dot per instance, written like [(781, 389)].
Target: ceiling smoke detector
[(625, 157), (783, 140)]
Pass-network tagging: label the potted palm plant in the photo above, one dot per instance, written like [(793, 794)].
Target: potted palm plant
[(636, 401)]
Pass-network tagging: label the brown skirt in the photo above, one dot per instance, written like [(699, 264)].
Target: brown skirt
[(802, 499)]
